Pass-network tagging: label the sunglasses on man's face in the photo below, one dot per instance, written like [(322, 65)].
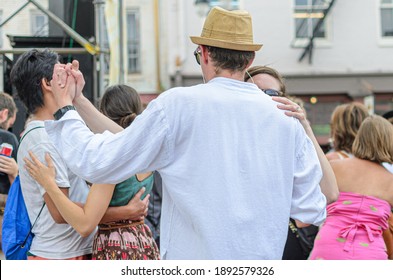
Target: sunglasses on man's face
[(271, 92), (197, 54)]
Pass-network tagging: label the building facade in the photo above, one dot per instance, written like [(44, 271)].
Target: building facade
[(329, 51), (351, 58)]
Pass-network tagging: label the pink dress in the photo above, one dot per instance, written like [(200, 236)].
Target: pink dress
[(353, 229)]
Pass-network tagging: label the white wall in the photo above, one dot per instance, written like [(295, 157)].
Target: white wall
[(20, 24), (354, 45), (146, 81)]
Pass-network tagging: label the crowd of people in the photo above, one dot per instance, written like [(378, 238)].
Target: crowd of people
[(227, 169)]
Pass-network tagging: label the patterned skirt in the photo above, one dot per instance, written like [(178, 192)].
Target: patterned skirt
[(124, 240)]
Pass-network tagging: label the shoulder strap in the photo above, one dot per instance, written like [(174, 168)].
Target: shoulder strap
[(39, 213), (342, 154), (24, 135), (31, 228)]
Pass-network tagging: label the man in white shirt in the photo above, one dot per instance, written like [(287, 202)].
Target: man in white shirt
[(234, 168)]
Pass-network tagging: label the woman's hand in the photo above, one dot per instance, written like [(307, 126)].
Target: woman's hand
[(40, 172), (291, 109)]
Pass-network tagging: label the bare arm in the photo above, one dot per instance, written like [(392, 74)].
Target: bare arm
[(65, 94), (82, 219), (135, 210), (54, 212), (328, 182), (96, 121)]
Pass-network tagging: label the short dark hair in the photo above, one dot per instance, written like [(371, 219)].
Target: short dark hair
[(27, 74), (121, 103), (232, 60)]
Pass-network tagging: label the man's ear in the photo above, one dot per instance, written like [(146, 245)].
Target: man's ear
[(250, 62), (3, 115), (205, 53), (45, 84)]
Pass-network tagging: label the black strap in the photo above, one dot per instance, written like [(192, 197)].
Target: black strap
[(31, 228), (24, 135)]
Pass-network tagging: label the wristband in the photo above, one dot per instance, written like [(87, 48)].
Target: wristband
[(60, 113)]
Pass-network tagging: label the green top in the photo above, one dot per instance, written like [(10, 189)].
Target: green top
[(127, 189)]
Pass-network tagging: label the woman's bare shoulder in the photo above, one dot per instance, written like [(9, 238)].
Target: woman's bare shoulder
[(332, 156)]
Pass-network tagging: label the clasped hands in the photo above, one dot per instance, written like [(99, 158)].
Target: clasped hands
[(67, 83)]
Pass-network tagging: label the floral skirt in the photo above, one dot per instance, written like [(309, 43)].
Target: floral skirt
[(124, 241)]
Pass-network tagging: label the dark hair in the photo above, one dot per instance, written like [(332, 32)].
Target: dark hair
[(256, 70), (27, 74), (232, 60), (121, 104)]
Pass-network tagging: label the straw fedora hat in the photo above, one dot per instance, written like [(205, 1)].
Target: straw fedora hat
[(228, 30)]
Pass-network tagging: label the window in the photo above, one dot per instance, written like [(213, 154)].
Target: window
[(307, 15), (39, 24), (387, 18), (133, 41)]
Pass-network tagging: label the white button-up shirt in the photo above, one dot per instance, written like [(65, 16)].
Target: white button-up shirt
[(234, 168)]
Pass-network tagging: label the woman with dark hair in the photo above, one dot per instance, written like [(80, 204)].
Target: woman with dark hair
[(120, 240), (355, 222)]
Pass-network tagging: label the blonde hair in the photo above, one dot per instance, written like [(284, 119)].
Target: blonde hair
[(345, 122), (374, 140)]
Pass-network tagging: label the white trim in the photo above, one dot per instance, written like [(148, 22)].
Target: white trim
[(383, 41)]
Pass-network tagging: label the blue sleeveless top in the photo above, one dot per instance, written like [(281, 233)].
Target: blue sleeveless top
[(127, 189)]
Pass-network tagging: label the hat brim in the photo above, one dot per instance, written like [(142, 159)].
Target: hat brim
[(224, 44)]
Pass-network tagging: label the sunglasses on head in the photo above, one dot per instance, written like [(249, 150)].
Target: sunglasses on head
[(197, 54), (271, 92)]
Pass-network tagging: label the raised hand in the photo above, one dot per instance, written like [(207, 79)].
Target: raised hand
[(63, 85), (80, 80)]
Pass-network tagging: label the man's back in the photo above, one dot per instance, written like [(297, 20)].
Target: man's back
[(234, 168), (230, 188)]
